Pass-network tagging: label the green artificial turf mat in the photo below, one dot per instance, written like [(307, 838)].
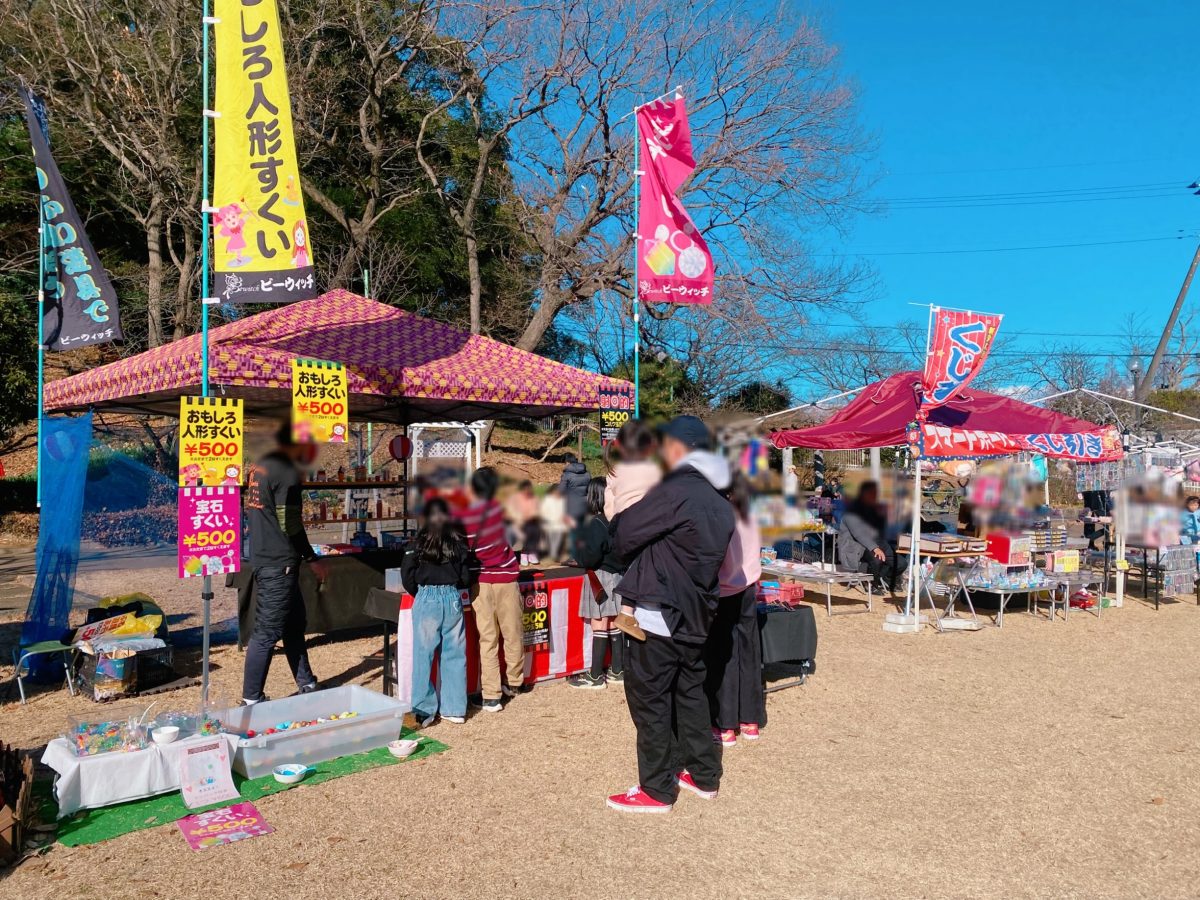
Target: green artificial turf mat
[(91, 826)]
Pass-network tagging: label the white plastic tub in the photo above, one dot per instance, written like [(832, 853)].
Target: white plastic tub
[(377, 723)]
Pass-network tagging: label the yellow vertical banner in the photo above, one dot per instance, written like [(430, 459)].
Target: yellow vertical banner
[(261, 249), (210, 441), (320, 402)]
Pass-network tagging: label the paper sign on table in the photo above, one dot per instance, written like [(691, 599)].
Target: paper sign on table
[(223, 826), (210, 441), (535, 614), (205, 776), (616, 408), (210, 531), (320, 411)]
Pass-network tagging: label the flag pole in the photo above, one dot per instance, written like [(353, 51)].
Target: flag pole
[(206, 592), (637, 241), (41, 345)]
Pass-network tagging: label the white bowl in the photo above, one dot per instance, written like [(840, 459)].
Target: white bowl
[(165, 734), (403, 748), (290, 773)]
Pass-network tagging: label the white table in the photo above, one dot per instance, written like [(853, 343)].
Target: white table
[(828, 578), (85, 782)]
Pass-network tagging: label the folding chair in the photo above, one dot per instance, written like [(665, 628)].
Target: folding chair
[(22, 656)]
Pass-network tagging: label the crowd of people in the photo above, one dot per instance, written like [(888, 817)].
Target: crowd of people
[(671, 562)]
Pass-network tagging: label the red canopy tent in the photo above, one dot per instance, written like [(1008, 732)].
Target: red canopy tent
[(972, 424), (401, 368)]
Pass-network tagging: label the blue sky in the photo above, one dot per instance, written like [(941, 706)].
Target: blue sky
[(1023, 98)]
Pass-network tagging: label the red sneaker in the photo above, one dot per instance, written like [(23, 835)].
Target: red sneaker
[(687, 783), (724, 738), (635, 800), (749, 731)]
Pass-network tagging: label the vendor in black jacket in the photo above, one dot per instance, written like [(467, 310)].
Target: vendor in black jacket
[(674, 540)]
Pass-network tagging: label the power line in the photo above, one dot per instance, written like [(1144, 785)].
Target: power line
[(843, 347), (1049, 202), (1175, 237), (1072, 165), (1119, 188)]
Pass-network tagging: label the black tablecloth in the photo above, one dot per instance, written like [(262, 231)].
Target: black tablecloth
[(788, 635), (334, 590)]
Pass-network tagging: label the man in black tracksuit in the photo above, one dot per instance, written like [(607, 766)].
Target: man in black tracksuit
[(278, 544), (675, 540)]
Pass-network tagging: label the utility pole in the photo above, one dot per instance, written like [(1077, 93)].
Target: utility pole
[(1141, 388)]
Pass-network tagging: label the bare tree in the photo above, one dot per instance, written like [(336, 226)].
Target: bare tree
[(351, 67), (487, 87), (128, 74), (779, 151)]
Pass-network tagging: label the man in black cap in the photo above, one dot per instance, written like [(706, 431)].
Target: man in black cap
[(675, 539), (278, 544)]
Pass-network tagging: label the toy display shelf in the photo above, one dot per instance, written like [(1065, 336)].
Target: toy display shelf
[(350, 485)]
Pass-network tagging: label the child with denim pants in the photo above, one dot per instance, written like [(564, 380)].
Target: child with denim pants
[(437, 567)]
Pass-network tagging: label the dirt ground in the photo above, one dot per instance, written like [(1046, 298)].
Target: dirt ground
[(1037, 760)]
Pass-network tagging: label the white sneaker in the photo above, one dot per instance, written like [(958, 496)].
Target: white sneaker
[(426, 722), (455, 720)]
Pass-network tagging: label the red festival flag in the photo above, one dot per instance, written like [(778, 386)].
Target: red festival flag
[(959, 342), (674, 265)]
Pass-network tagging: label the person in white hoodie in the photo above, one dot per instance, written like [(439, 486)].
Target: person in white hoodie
[(634, 473)]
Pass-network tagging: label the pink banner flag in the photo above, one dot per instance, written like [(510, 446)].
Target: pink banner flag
[(674, 265), (959, 341)]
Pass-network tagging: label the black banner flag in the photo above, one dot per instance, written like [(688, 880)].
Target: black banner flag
[(81, 303)]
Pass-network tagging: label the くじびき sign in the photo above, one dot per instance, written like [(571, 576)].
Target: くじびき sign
[(320, 402)]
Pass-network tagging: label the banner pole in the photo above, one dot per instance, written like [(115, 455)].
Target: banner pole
[(637, 326), (41, 348), (206, 592), (206, 205)]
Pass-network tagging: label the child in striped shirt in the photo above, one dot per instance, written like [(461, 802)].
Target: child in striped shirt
[(497, 600)]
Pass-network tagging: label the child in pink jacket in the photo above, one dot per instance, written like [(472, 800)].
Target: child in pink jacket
[(634, 473)]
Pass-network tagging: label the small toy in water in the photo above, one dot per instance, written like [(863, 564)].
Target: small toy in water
[(106, 737), (209, 726)]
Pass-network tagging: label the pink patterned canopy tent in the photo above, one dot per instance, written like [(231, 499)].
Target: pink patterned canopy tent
[(402, 368)]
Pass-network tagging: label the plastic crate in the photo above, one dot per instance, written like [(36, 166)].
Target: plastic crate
[(378, 722), (785, 593), (107, 678)]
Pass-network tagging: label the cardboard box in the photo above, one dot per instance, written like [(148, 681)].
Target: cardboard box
[(16, 801), (1062, 561)]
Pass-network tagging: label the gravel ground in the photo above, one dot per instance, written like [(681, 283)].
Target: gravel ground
[(1034, 761)]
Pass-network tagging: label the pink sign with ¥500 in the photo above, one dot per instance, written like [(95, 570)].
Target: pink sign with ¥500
[(223, 826), (210, 531)]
